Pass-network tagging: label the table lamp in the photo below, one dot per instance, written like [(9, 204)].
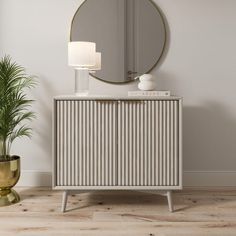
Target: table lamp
[(84, 58)]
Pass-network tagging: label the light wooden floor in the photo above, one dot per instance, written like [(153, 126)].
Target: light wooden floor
[(120, 213)]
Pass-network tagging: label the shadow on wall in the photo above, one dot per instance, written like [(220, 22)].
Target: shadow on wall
[(44, 116), (161, 77), (167, 81), (167, 43), (209, 138)]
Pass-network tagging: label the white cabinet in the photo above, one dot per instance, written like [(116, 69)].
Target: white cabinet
[(105, 143)]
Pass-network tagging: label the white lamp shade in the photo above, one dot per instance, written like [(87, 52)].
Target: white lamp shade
[(81, 54), (98, 62)]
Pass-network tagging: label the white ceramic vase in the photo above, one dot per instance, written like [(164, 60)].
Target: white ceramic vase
[(146, 83)]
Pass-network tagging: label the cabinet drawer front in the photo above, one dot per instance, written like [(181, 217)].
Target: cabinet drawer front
[(149, 143), (86, 147)]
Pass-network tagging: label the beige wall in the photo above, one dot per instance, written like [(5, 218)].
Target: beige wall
[(199, 65)]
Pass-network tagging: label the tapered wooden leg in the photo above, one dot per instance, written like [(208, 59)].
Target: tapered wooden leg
[(170, 202), (64, 201)]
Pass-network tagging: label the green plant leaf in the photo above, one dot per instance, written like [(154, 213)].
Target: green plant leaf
[(14, 105)]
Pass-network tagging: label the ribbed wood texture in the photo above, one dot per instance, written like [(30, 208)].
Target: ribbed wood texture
[(86, 143), (148, 146), (118, 143)]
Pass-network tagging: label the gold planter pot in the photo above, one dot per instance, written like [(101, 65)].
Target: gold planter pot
[(9, 176)]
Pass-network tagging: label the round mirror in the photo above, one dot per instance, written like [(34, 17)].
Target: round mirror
[(130, 34)]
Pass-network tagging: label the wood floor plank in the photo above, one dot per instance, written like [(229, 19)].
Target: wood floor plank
[(120, 213)]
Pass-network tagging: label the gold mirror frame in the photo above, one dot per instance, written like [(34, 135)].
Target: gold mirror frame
[(155, 64)]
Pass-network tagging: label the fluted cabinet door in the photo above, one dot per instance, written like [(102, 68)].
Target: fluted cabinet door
[(86, 147), (149, 143)]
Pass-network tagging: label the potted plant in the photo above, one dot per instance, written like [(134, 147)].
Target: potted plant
[(13, 114)]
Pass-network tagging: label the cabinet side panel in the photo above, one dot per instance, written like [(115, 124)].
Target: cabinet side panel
[(180, 138)]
